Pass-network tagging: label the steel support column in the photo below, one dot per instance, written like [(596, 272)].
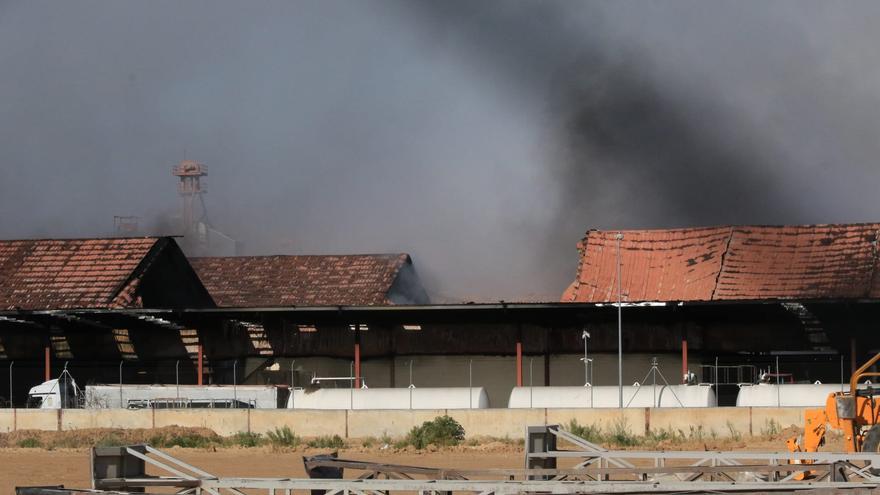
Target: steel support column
[(684, 360), (47, 357), (357, 355), (200, 364), (519, 367)]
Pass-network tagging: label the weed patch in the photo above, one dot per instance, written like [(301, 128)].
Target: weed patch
[(327, 442), (283, 437)]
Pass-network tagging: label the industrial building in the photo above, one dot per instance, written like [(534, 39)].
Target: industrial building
[(723, 303)]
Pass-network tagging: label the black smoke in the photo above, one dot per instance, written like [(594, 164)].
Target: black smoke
[(483, 137)]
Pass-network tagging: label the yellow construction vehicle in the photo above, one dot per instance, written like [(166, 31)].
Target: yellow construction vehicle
[(854, 412)]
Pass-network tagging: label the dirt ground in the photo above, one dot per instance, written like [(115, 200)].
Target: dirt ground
[(70, 466)]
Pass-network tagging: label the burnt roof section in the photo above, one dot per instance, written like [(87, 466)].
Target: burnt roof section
[(804, 262), (306, 280), (75, 273)]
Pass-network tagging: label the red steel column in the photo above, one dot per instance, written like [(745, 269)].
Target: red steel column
[(201, 373), (357, 356), (47, 358), (684, 360), (519, 371)]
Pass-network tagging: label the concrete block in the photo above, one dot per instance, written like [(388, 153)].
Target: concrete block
[(304, 423), (7, 420), (395, 423), (720, 421), (499, 423), (633, 419), (36, 419), (782, 416), (224, 422), (78, 419)]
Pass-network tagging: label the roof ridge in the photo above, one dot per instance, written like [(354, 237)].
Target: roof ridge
[(737, 226), (114, 238), (145, 262), (372, 255), (721, 263)]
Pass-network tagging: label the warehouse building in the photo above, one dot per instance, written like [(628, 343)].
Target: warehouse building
[(738, 297), (43, 278)]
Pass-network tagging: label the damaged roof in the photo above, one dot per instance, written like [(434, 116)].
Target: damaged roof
[(74, 273), (307, 280), (729, 263)]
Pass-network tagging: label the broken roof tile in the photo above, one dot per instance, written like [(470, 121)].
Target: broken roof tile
[(48, 274), (318, 280), (730, 263)]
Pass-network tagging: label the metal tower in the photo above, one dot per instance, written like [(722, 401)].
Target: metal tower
[(190, 173)]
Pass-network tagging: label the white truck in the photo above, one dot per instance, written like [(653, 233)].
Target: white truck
[(57, 393)]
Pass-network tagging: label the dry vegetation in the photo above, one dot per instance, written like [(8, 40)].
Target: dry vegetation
[(441, 434)]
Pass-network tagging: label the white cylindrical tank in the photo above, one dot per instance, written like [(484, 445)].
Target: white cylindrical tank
[(787, 394), (608, 396), (390, 398)]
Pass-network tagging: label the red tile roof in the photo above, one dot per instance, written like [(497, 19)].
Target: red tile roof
[(71, 273), (730, 263), (328, 280)]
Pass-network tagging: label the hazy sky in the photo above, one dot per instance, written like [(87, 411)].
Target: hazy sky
[(483, 138)]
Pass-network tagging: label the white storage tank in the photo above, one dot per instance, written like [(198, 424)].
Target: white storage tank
[(389, 398), (608, 396), (787, 394)]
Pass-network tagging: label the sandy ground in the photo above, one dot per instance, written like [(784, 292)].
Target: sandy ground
[(70, 467), (32, 467)]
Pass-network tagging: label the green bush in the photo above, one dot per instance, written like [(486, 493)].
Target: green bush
[(246, 439), (667, 435), (771, 428), (734, 433), (590, 433), (30, 443), (621, 435), (327, 442), (110, 440), (283, 437), (696, 433), (186, 440), (441, 431)]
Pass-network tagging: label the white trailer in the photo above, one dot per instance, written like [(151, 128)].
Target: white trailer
[(182, 396), (63, 393)]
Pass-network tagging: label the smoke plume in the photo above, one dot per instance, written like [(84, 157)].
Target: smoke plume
[(483, 138)]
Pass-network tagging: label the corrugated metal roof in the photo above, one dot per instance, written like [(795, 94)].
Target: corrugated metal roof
[(270, 281), (730, 263), (71, 273)]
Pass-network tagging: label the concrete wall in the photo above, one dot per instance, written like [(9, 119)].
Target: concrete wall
[(720, 422)]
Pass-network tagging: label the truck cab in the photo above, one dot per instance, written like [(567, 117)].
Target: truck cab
[(54, 394)]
